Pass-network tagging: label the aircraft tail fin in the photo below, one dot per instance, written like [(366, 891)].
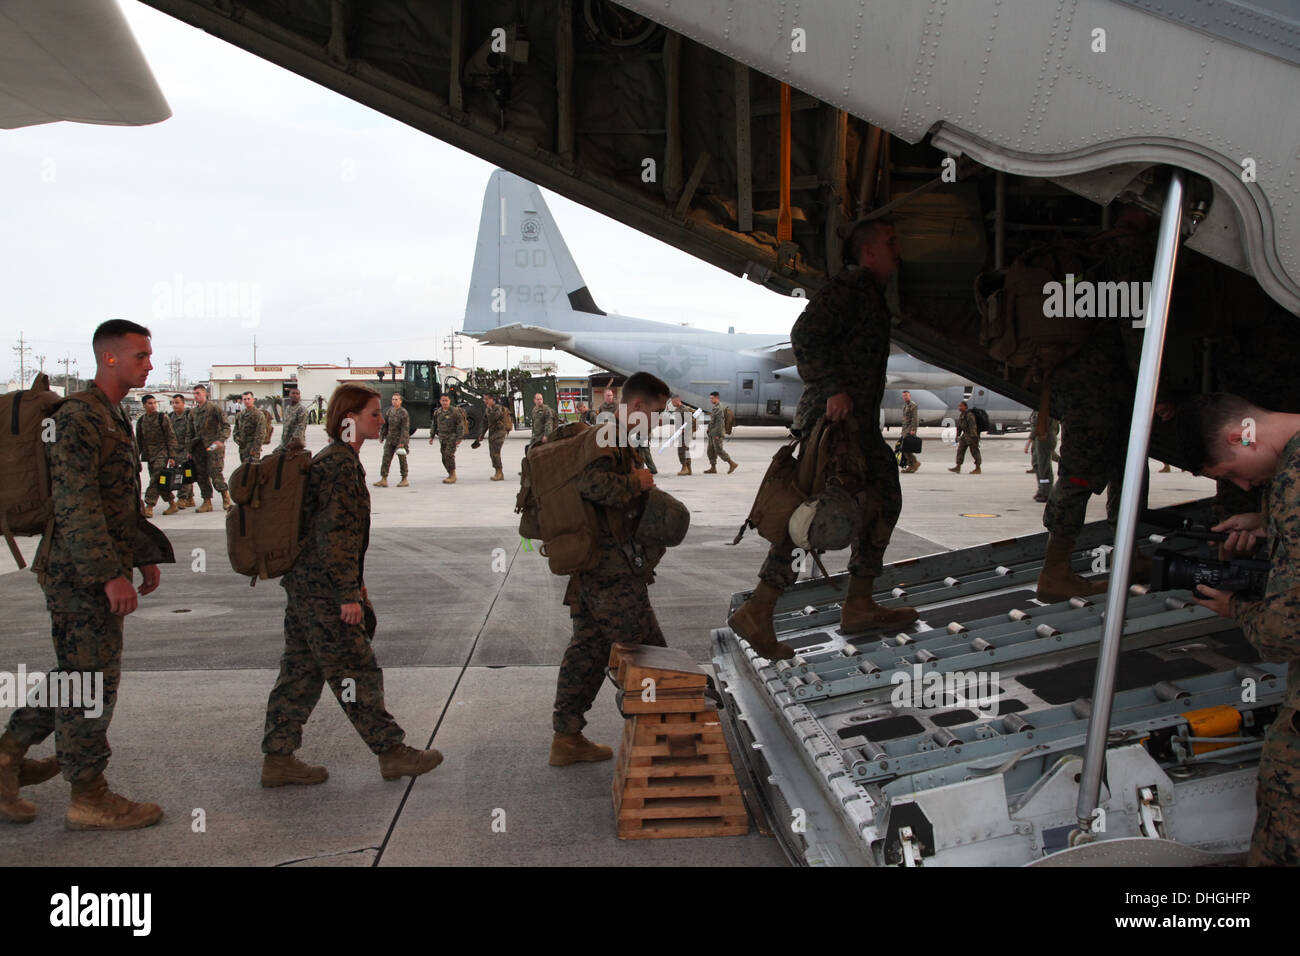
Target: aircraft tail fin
[(523, 273)]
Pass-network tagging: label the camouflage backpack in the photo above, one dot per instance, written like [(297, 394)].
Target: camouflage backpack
[(25, 507), (549, 505), (728, 420), (264, 529), (264, 433)]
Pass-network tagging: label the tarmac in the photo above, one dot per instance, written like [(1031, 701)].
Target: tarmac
[(471, 630)]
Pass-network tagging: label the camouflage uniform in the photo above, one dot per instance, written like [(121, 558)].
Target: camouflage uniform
[(1041, 452), (319, 648), (210, 425), (588, 416), (157, 443), (911, 420), (841, 344), (1272, 625), (675, 418), (99, 534), (248, 433), (544, 422), (395, 433), (183, 429), (717, 434), (968, 436), (607, 604), (293, 430), (449, 426), (496, 427)]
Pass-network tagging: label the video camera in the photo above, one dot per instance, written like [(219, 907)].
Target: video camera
[(1171, 570)]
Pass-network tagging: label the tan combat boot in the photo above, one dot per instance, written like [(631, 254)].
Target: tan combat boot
[(977, 471), (498, 476), (684, 471), (172, 508), (13, 808), (1057, 581), (287, 770), (95, 807), (148, 511), (381, 483), (403, 761), (450, 479), (956, 469), (575, 748), (753, 622), (860, 612), (403, 483), (732, 467), (205, 507), (226, 502), (186, 503), (711, 470), (916, 466)]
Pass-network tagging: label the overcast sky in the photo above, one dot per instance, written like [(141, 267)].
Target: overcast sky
[(352, 233)]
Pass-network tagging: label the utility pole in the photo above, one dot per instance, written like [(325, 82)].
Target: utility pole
[(450, 342), (67, 362), (254, 349), (23, 349), (174, 367)]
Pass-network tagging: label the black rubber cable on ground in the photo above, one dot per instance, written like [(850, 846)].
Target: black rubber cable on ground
[(410, 785)]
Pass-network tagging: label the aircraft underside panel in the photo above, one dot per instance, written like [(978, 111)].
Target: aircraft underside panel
[(958, 742)]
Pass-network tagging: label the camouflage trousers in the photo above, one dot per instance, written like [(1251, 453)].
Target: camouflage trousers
[(320, 649), (1041, 458), (387, 460), (1092, 396), (604, 610), (209, 468), (644, 452), (151, 493), (909, 459), (249, 453), (882, 502), (684, 454), (448, 446), (974, 446), (1276, 840), (715, 452), (495, 444), (83, 643)]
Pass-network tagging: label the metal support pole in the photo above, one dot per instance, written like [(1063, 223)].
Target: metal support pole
[(1139, 437), (1000, 221)]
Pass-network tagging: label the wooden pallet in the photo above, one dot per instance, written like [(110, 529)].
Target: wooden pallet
[(674, 776)]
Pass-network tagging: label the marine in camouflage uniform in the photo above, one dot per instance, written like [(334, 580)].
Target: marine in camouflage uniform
[(293, 430), (609, 603), (496, 426), (968, 436), (247, 433), (717, 434), (911, 421), (678, 415), (449, 426), (1272, 625), (99, 534), (585, 414), (183, 428), (210, 426), (545, 421), (319, 648), (158, 449), (395, 433), (1042, 450)]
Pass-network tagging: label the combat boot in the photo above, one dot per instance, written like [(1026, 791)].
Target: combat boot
[(956, 469), (403, 761), (498, 476), (95, 807), (282, 770), (860, 612), (184, 503), (13, 807), (711, 470), (33, 772), (682, 472), (753, 622), (914, 467), (382, 482), (1031, 471), (977, 471), (148, 511), (575, 748), (732, 467), (172, 508), (205, 507), (450, 479), (226, 502), (403, 483), (1057, 581)]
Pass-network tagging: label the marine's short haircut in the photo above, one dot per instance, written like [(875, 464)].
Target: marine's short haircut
[(645, 385), (350, 398), (114, 329), (711, 394), (242, 394), (180, 396), (863, 233), (147, 398), (1201, 424), (201, 388)]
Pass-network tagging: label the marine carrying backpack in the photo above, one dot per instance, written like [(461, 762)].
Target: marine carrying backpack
[(728, 420), (25, 507), (264, 528)]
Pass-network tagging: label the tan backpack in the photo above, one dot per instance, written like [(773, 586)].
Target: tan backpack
[(264, 529), (25, 507), (728, 420), (549, 505), (264, 433)]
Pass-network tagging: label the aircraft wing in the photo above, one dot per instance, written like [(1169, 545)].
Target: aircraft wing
[(778, 351), (73, 60), (524, 336)]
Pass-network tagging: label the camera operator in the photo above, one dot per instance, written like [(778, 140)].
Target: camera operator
[(1254, 447)]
